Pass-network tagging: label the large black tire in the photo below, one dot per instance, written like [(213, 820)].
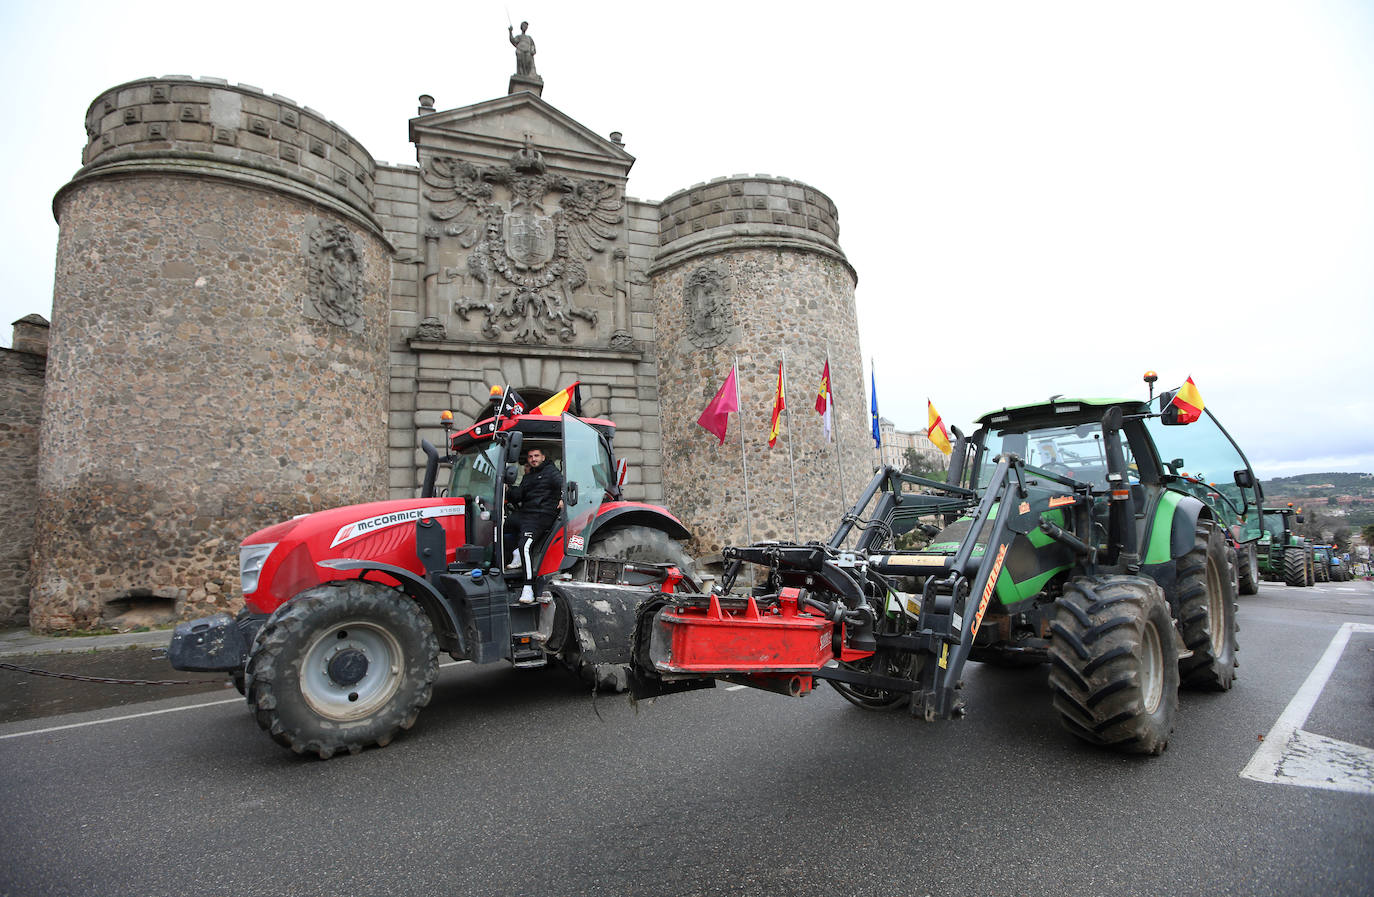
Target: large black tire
[(887, 663), (1249, 569), (1321, 572), (639, 544), (1233, 569), (1294, 567), (1207, 613), (342, 666), (1114, 663), (1311, 568)]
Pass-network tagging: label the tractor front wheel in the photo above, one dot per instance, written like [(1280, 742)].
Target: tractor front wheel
[(884, 662), (1207, 613), (342, 666), (1114, 663)]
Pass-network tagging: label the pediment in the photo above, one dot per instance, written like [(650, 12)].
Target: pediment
[(492, 131)]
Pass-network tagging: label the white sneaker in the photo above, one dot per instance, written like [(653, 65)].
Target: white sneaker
[(527, 595)]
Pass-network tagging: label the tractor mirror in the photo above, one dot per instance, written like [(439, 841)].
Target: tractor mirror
[(1298, 518), (515, 440), (512, 471), (1244, 479)]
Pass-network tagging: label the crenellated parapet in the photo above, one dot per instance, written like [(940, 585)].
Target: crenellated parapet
[(208, 126)]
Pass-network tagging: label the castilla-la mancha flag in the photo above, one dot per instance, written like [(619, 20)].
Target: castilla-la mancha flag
[(778, 404), (1189, 402), (716, 417), (936, 430), (823, 403)]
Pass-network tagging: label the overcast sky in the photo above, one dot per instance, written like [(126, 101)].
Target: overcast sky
[(1038, 197)]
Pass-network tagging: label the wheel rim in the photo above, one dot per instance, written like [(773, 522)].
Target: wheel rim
[(1151, 668), (351, 669), (1216, 608)]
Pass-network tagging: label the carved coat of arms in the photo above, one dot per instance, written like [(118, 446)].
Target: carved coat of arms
[(528, 257), (334, 273), (706, 297)]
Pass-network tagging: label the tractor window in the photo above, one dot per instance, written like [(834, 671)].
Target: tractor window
[(475, 471), (1074, 452), (1204, 455)]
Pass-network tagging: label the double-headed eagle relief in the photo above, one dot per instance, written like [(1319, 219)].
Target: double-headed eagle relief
[(528, 252)]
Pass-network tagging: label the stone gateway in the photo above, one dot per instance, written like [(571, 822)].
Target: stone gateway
[(254, 319)]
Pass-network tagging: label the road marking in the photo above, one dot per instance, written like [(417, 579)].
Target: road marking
[(735, 687), (1292, 756), (118, 719)]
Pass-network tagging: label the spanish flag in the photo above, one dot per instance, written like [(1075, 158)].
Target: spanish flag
[(558, 402), (778, 404), (936, 429), (1188, 401)]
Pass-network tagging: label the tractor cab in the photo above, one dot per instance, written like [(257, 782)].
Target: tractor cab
[(487, 458)]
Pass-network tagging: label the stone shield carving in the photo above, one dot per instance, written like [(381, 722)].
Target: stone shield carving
[(706, 297), (529, 259), (335, 275)]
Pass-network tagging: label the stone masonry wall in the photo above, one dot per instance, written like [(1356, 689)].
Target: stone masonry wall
[(21, 403), (741, 275), (194, 395)]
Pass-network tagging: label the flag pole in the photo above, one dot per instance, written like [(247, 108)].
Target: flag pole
[(744, 466), (834, 429), (791, 461)]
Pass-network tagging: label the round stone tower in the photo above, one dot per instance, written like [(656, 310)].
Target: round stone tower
[(750, 268), (218, 354)]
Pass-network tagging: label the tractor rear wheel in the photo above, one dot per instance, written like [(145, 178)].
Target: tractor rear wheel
[(636, 544), (1294, 567), (1114, 663), (1207, 613), (342, 666), (1249, 569)]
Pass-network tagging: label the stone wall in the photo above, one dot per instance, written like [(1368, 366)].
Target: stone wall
[(218, 352), (740, 275), (21, 402)]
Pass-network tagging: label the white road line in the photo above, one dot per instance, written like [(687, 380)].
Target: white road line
[(118, 719), (1291, 756), (735, 687)]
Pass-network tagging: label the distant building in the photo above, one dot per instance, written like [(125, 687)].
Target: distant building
[(896, 442)]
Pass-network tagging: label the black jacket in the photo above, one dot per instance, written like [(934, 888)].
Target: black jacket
[(538, 494)]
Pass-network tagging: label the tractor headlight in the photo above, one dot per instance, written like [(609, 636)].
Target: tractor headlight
[(251, 559)]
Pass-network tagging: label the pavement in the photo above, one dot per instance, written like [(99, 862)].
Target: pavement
[(61, 675), (20, 641)]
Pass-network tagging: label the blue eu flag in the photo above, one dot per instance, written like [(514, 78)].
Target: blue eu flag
[(877, 438)]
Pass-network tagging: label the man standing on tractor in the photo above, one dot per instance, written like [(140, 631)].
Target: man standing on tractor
[(538, 497)]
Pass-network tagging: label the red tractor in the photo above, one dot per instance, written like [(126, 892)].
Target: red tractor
[(347, 610)]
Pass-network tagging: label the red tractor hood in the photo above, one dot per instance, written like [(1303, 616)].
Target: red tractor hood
[(382, 531)]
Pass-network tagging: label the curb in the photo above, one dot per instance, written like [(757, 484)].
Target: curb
[(21, 641)]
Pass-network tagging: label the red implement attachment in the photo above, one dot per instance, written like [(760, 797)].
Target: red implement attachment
[(744, 644)]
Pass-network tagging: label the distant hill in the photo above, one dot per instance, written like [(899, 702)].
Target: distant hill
[(1331, 499)]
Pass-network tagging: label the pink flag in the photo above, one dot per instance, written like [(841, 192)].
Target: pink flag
[(716, 416)]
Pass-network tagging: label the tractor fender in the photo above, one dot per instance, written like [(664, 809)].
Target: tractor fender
[(1174, 527), (636, 514), (616, 515), (441, 615)]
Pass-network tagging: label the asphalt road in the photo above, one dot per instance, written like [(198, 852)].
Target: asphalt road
[(518, 783)]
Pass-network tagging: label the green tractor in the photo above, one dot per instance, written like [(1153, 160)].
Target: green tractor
[(1283, 554), (1060, 537), (1328, 564)]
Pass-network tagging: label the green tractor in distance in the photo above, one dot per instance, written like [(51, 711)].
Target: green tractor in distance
[(1328, 564), (1283, 554)]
